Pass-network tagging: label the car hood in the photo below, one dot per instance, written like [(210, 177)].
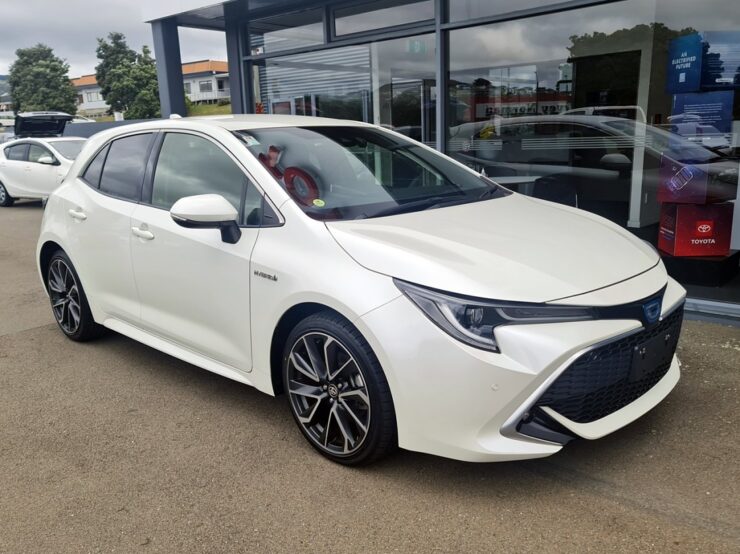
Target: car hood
[(512, 248), (41, 124)]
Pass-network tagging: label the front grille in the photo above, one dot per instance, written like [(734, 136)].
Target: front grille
[(601, 381)]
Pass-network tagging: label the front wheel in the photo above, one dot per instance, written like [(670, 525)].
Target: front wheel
[(5, 199), (337, 391)]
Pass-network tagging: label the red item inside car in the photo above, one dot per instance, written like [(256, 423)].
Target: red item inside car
[(300, 185)]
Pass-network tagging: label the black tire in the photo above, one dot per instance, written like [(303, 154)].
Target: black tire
[(357, 394), (5, 199), (68, 298)]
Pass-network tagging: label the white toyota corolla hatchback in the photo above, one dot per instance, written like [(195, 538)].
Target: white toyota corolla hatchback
[(393, 295)]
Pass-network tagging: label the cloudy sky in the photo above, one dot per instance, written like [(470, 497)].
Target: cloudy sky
[(70, 27)]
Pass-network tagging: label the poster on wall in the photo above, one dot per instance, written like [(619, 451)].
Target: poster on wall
[(684, 64), (712, 110), (720, 60)]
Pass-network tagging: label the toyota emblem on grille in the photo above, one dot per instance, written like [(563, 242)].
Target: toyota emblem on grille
[(651, 310)]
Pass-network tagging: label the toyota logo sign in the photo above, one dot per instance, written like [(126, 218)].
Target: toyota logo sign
[(704, 228)]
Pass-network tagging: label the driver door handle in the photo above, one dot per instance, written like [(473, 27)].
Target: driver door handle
[(142, 233), (77, 214)]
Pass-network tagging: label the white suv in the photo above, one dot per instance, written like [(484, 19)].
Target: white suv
[(395, 296)]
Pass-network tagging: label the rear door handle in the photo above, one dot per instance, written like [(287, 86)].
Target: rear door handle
[(142, 233), (77, 214)]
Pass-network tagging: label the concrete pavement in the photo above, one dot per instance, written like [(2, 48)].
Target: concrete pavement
[(111, 446)]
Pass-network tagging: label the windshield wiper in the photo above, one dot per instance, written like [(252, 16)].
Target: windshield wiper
[(420, 205)]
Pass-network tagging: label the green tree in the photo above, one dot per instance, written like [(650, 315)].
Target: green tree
[(112, 53), (39, 80), (128, 80)]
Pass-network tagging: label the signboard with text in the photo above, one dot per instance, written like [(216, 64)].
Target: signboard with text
[(684, 64)]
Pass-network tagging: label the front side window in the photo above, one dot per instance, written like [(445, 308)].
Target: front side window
[(189, 165), (36, 152), (336, 173), (17, 152), (123, 172)]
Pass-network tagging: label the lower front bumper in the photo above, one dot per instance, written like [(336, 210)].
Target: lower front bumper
[(616, 420), (460, 402)]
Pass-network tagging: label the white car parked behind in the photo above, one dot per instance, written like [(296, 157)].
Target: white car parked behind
[(34, 164)]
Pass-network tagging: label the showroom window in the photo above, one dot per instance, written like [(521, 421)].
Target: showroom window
[(369, 16), (461, 10), (390, 83), (627, 109), (286, 31)]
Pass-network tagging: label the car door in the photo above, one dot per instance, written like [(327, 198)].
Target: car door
[(41, 178), (100, 224), (193, 287), (12, 168)]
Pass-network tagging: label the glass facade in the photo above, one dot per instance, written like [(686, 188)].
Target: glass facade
[(370, 16), (629, 109), (390, 83)]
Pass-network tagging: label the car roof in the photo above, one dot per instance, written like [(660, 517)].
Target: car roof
[(48, 140), (244, 122), (239, 122), (61, 139)]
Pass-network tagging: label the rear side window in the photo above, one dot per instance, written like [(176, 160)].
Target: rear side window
[(189, 165), (17, 152), (95, 169), (123, 171)]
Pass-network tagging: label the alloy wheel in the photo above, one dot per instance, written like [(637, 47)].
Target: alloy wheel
[(3, 194), (64, 293), (328, 393)]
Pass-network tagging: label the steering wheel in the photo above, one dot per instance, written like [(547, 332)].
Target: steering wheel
[(300, 185)]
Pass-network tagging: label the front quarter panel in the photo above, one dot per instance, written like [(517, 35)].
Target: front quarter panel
[(298, 263)]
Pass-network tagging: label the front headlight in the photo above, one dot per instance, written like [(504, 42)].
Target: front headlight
[(474, 321)]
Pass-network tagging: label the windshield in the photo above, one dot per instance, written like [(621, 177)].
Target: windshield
[(336, 173), (68, 148)]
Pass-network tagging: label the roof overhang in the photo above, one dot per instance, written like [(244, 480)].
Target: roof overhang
[(187, 13)]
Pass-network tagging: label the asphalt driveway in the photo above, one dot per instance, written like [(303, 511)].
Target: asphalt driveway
[(114, 447)]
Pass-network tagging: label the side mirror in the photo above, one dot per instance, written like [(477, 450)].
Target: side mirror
[(208, 211), (47, 160), (618, 162)]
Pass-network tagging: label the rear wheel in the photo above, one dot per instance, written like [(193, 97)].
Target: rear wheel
[(68, 301), (337, 391), (5, 199)]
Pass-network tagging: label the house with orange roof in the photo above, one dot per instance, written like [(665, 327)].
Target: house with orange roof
[(204, 81)]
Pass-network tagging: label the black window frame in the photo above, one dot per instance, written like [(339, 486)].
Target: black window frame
[(24, 145), (269, 211)]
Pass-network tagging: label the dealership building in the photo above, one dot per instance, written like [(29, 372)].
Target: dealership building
[(629, 109)]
